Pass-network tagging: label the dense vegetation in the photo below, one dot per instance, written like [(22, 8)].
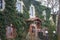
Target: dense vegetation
[(10, 15)]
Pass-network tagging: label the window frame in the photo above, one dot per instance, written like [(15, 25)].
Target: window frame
[(20, 8), (32, 11), (44, 14), (3, 5)]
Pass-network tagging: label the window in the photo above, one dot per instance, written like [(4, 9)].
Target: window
[(19, 6), (44, 2), (32, 11), (44, 14), (2, 5), (8, 30)]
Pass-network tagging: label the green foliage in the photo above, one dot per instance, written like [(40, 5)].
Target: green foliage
[(10, 15), (7, 16), (48, 11)]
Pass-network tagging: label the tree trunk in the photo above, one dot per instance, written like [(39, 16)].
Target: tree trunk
[(58, 26)]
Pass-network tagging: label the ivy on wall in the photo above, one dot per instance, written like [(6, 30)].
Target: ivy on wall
[(10, 15)]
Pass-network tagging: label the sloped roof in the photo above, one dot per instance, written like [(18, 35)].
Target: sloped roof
[(34, 19)]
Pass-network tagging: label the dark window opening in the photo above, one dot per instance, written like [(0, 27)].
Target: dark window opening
[(1, 4), (33, 29)]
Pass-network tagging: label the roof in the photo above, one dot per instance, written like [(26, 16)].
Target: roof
[(34, 19)]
